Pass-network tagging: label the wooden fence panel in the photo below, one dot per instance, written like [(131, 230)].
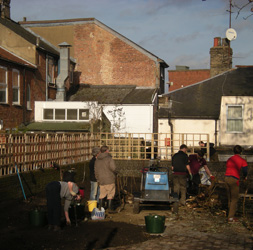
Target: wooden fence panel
[(40, 150)]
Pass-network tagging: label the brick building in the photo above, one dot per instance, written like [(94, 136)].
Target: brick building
[(220, 61), (17, 82), (28, 71), (104, 57), (183, 76)]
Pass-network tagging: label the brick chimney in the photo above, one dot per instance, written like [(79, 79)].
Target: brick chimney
[(5, 8), (220, 56)]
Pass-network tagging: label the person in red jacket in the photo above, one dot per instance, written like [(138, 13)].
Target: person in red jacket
[(232, 176)]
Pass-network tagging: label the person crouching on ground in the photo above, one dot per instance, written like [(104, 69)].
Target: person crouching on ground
[(55, 191), (232, 176), (105, 174), (196, 161)]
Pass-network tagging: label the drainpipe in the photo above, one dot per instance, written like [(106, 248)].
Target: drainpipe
[(46, 77), (171, 126), (215, 133), (24, 99)]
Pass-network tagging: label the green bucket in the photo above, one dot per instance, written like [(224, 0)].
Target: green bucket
[(37, 218), (155, 223)]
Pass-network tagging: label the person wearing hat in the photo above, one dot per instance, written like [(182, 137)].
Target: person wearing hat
[(196, 162), (105, 172), (94, 188)]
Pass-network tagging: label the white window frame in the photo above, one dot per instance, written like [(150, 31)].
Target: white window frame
[(241, 118), (16, 87), (5, 84), (66, 116)]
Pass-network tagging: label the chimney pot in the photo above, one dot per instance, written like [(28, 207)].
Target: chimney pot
[(225, 42), (217, 41)]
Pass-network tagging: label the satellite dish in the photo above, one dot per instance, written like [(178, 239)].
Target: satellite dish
[(231, 34)]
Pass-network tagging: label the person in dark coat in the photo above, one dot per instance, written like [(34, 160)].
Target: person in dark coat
[(212, 150), (55, 191), (94, 191), (105, 172), (180, 167)]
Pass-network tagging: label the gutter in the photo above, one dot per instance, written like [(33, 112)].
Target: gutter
[(215, 132), (24, 99), (171, 127), (46, 77)]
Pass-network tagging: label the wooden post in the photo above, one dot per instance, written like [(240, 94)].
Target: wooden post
[(208, 148), (129, 146)]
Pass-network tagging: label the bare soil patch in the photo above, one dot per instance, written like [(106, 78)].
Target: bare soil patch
[(115, 230)]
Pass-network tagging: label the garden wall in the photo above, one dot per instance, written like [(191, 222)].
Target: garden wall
[(34, 182)]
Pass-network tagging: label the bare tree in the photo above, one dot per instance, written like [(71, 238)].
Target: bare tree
[(118, 117), (95, 111), (242, 7)]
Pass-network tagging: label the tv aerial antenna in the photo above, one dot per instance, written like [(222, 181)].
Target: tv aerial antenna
[(230, 33)]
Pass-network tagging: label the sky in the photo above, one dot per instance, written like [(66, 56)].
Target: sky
[(181, 32)]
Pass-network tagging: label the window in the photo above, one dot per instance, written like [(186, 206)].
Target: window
[(15, 86), (66, 114), (28, 96), (48, 114), (60, 114), (51, 70), (71, 114), (83, 114), (3, 85), (234, 118)]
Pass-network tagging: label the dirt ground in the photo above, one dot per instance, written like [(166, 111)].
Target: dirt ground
[(115, 230), (119, 229)]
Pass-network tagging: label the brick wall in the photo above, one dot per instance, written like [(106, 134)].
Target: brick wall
[(102, 58), (34, 182), (185, 78), (220, 59), (220, 56), (15, 115)]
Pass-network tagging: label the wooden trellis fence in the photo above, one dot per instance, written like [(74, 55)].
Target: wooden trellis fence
[(39, 150)]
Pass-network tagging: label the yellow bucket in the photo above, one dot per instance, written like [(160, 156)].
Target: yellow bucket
[(92, 205)]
